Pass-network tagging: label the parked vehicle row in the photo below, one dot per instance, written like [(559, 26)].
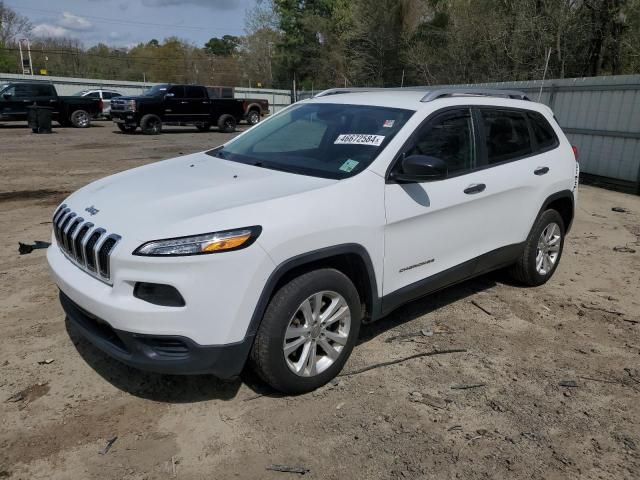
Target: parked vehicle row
[(17, 97), (165, 104)]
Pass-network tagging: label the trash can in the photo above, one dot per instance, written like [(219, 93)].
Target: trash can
[(39, 119)]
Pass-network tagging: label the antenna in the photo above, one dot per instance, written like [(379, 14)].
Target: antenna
[(544, 74)]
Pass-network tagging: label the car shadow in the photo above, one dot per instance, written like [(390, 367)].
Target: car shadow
[(199, 388)]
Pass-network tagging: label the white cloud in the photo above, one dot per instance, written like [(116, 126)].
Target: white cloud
[(74, 22), (48, 30), (215, 4)]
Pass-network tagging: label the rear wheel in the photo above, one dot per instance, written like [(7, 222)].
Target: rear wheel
[(253, 117), (151, 124), (80, 119), (126, 128), (542, 251), (227, 124), (308, 331)]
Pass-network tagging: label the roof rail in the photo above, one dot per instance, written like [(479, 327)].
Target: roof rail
[(335, 91), (433, 93), (482, 92)]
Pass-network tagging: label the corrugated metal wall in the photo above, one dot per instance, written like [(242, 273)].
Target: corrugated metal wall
[(600, 115)]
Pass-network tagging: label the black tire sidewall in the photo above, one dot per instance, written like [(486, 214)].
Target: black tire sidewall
[(276, 319), (144, 124), (222, 124), (548, 217)]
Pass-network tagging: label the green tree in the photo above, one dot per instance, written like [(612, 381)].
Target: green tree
[(224, 47)]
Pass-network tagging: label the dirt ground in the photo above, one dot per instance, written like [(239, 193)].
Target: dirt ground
[(61, 401)]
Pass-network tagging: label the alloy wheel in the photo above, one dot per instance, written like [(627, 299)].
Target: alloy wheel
[(317, 333), (548, 248)]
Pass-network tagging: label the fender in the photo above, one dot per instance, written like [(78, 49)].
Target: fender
[(306, 258), (557, 196)]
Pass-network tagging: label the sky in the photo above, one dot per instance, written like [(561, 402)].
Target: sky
[(124, 23)]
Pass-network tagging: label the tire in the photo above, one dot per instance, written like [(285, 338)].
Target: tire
[(253, 117), (126, 128), (542, 251), (285, 311), (80, 119), (203, 127), (151, 124), (227, 124)]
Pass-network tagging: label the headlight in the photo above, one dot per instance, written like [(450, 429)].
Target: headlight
[(131, 104), (200, 244)]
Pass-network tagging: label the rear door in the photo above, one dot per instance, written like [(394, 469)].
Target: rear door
[(516, 171), (197, 107)]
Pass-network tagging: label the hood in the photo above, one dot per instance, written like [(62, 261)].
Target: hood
[(168, 196)]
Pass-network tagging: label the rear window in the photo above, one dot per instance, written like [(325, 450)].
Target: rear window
[(506, 135), (542, 132)]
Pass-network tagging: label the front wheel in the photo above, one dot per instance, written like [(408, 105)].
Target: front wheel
[(542, 250), (151, 124), (308, 331), (80, 119)]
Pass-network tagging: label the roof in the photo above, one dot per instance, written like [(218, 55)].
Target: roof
[(425, 98)]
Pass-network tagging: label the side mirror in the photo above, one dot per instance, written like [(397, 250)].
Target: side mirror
[(6, 96), (420, 168)]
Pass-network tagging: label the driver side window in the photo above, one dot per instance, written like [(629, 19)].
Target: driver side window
[(448, 137)]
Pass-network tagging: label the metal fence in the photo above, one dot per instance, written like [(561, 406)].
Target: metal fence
[(278, 99)]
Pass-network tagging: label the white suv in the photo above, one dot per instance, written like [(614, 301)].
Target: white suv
[(277, 245)]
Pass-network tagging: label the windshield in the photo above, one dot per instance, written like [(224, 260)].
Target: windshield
[(155, 90), (318, 139)]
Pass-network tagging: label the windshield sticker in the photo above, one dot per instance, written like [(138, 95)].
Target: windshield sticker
[(388, 123), (359, 139), (349, 165)]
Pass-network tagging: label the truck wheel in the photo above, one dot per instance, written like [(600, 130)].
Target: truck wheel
[(308, 331), (227, 124), (203, 127), (253, 117), (542, 250), (80, 119), (126, 128), (151, 124)]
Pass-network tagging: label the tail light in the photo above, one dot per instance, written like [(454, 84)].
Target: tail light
[(575, 151), (100, 105)]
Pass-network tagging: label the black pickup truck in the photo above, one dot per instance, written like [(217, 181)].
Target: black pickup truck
[(16, 97), (175, 105), (254, 108)]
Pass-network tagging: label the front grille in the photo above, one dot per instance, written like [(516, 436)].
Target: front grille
[(86, 245)]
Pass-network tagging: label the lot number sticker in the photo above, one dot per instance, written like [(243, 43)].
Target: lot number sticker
[(359, 139)]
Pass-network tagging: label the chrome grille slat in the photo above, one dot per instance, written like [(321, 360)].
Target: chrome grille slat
[(82, 243)]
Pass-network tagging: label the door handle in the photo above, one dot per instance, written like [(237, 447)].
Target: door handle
[(184, 102), (541, 170), (475, 188)]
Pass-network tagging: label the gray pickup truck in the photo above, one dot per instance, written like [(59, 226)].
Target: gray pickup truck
[(17, 97)]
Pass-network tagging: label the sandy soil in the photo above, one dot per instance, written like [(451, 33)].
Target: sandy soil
[(404, 420)]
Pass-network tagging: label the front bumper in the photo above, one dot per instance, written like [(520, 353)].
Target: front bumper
[(169, 354), (124, 117)]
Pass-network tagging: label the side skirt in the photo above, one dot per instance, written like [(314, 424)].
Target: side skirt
[(487, 262)]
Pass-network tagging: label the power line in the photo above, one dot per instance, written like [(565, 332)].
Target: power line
[(125, 22)]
